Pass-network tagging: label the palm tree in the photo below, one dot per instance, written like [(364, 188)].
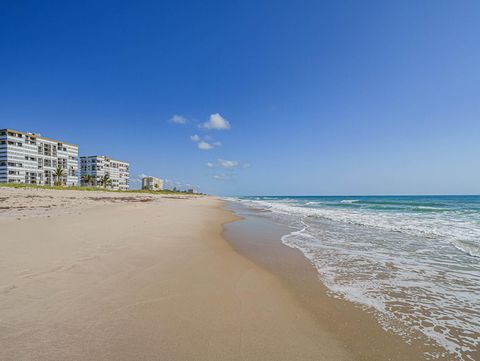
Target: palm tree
[(58, 174), (87, 179), (105, 181)]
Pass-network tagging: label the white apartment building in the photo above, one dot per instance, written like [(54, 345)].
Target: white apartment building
[(32, 159), (98, 165), (152, 183)]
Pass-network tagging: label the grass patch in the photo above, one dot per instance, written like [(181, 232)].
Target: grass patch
[(89, 189)]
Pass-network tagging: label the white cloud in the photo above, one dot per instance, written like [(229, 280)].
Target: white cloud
[(178, 119), (204, 145), (222, 177), (216, 122), (227, 164)]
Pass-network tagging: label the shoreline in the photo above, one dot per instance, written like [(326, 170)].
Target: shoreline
[(124, 279), (259, 239)]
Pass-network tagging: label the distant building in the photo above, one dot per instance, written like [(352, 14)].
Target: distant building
[(32, 159), (152, 183), (98, 165)]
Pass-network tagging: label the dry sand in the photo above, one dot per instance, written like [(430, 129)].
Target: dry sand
[(95, 276)]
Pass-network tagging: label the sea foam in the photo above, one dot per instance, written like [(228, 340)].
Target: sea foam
[(418, 271)]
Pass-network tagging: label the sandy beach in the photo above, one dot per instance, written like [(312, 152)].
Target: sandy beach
[(109, 276)]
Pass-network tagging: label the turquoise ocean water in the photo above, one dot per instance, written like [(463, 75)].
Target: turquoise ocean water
[(413, 260)]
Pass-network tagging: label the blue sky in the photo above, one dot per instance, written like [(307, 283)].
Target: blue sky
[(321, 97)]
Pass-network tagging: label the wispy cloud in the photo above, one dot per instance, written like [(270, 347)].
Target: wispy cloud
[(204, 145), (178, 119), (224, 163), (216, 122), (223, 177), (227, 164)]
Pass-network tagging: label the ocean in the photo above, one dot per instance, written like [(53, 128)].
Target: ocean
[(412, 260)]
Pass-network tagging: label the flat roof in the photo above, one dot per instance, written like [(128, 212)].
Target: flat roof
[(37, 136), (104, 156)]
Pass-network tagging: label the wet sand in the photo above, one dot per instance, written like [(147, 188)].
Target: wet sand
[(259, 239)]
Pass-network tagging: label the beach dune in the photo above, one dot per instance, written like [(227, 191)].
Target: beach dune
[(95, 276)]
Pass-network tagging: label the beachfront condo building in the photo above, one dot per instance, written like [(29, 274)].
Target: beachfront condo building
[(152, 183), (33, 159), (97, 166)]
